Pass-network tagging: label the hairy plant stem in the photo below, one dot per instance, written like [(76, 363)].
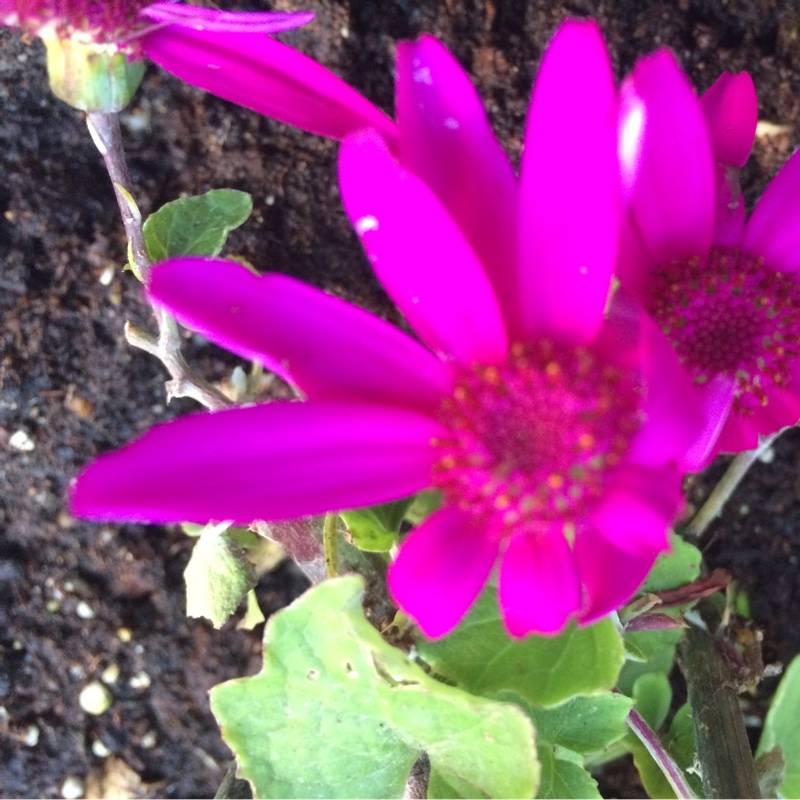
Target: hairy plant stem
[(723, 750), (722, 492), (105, 131), (649, 738)]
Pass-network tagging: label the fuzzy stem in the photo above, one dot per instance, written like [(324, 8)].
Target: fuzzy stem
[(723, 750), (649, 738), (105, 131), (721, 493)]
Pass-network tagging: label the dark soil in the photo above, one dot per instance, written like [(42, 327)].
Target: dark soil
[(69, 381)]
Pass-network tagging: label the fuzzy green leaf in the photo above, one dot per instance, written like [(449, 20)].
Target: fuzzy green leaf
[(482, 658), (338, 712), (217, 576), (195, 226)]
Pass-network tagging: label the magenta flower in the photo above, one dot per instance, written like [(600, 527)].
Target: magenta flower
[(724, 290), (94, 47), (551, 433)]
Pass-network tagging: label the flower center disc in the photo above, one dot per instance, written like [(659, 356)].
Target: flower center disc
[(733, 316), (532, 439)]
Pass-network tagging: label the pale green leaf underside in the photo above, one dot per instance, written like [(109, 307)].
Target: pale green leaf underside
[(337, 712)]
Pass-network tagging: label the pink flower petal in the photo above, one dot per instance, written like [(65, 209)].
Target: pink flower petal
[(730, 214), (274, 462), (637, 508), (670, 164), (328, 348), (610, 576), (419, 254), (538, 588), (569, 187), (774, 229), (634, 262), (730, 107), (440, 570), (209, 19), (446, 139), (680, 419), (738, 434), (266, 76), (715, 399)]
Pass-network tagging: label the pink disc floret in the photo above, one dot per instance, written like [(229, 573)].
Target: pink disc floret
[(531, 441), (731, 315)]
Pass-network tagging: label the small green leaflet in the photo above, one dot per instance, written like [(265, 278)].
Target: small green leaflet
[(195, 226), (482, 658), (338, 712)]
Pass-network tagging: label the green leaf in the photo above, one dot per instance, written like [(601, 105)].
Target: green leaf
[(244, 537), (423, 505), (564, 778), (195, 226), (338, 712), (481, 657), (217, 576), (652, 694), (368, 531), (377, 528), (679, 566), (567, 731), (582, 724), (781, 728)]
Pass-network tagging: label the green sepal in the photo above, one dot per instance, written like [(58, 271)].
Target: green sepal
[(91, 76)]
